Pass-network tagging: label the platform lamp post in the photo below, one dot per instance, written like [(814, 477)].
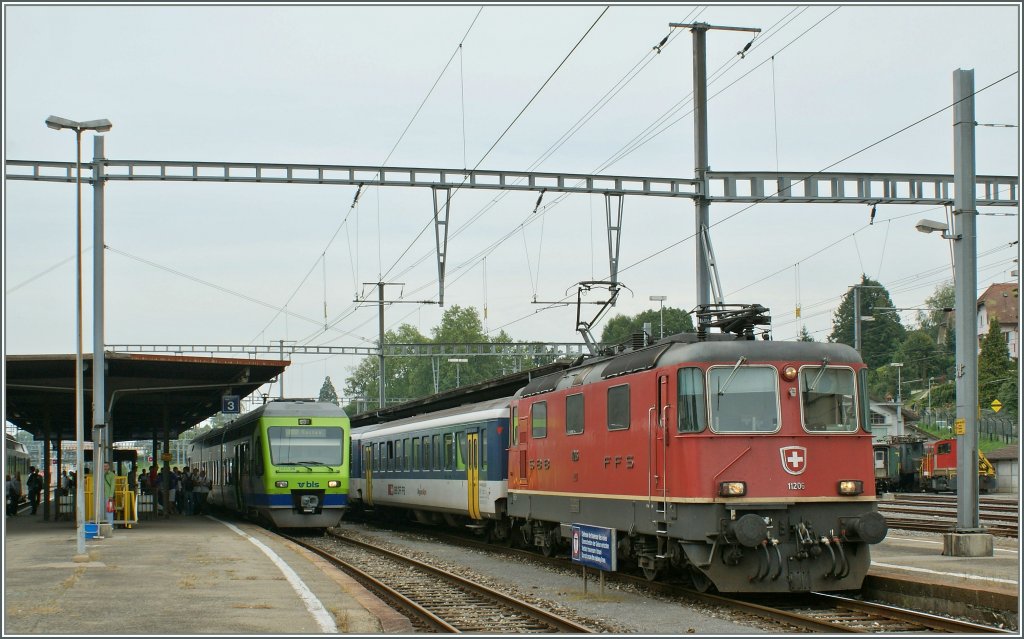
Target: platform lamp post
[(457, 361), (660, 299), (99, 126)]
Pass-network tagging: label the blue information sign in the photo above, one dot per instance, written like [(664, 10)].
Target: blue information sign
[(594, 546), (230, 404)]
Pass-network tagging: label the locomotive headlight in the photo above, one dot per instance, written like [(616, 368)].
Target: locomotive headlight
[(789, 373), (851, 487), (334, 483), (732, 489), (281, 484)]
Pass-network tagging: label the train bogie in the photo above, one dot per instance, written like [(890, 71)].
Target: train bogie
[(286, 464)]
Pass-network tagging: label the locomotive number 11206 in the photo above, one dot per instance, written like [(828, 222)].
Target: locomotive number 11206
[(795, 485)]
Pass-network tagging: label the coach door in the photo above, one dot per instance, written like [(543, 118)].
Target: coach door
[(473, 473), (368, 474), (658, 440)]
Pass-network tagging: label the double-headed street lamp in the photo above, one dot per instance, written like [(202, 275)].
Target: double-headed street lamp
[(99, 126), (660, 299)]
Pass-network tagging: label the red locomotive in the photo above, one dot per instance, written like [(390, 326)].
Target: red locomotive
[(744, 464), (938, 468)]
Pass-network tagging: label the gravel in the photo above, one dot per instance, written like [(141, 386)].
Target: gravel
[(619, 609)]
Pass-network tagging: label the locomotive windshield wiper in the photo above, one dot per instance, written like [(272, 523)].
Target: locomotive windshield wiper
[(298, 463), (814, 384), (739, 362)]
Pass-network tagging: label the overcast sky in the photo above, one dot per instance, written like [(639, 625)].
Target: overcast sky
[(191, 263)]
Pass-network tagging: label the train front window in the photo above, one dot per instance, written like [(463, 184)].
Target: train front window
[(306, 446), (828, 400), (692, 411), (744, 399)]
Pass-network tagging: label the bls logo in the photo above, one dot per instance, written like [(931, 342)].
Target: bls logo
[(309, 484), (794, 459)]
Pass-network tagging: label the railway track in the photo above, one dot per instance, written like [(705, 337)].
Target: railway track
[(434, 599), (815, 612), (937, 513)]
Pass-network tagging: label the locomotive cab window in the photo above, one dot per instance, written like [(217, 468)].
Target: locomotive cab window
[(618, 407), (514, 427), (539, 420), (574, 414), (744, 399), (692, 402), (827, 399), (306, 446)]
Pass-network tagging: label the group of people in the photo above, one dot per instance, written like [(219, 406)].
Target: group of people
[(180, 491), (12, 489)]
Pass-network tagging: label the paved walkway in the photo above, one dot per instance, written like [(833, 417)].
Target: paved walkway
[(183, 575)]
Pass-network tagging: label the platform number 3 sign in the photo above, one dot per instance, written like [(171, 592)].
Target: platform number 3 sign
[(230, 404)]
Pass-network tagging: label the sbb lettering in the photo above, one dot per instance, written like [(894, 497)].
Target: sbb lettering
[(540, 464)]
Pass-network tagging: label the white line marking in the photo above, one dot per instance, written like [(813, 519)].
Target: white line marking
[(959, 575), (313, 605)]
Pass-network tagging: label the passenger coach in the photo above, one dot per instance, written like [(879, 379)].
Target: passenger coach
[(442, 467), (285, 463)]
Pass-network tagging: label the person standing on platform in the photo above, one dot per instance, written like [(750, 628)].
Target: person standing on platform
[(13, 494), (109, 482), (201, 489), (166, 483), (35, 486)]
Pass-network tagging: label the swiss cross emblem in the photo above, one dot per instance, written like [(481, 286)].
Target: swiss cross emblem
[(794, 459)]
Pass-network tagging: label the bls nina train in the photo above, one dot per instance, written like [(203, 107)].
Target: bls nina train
[(285, 463), (744, 465)]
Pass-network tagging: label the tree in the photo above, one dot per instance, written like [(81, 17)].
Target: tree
[(938, 320), (995, 367), (805, 335), (879, 338), (620, 329), (327, 392)]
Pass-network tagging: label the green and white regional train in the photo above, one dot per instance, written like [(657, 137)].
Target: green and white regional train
[(285, 463)]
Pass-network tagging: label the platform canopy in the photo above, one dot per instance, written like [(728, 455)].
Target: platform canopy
[(148, 396)]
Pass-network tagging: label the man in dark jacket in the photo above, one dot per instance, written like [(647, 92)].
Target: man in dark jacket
[(34, 483)]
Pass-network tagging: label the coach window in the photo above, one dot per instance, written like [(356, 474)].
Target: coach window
[(406, 453), (426, 452), (827, 399), (415, 453), (449, 451), (483, 450), (437, 453), (618, 407), (692, 402), (744, 399), (460, 452), (574, 414), (539, 420), (391, 456)]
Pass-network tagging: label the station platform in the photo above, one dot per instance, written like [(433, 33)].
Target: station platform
[(193, 575), (200, 575)]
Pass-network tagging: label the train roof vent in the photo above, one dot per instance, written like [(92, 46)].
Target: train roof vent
[(633, 362), (544, 384)]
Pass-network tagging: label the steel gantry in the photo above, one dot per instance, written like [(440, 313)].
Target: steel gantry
[(722, 186)]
